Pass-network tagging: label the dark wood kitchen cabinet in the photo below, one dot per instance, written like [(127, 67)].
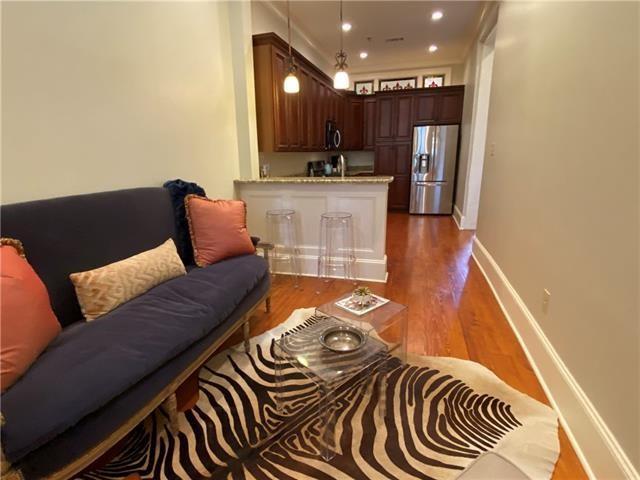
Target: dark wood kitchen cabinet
[(425, 107), (296, 122), (394, 118), (439, 106), (403, 120), (369, 124), (353, 122), (292, 122), (384, 119), (398, 112), (395, 160), (451, 106)]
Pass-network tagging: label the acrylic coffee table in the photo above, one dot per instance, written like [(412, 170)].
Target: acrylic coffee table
[(388, 323), (330, 370)]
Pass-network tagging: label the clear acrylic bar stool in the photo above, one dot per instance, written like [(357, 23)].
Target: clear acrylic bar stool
[(336, 257), (281, 229)]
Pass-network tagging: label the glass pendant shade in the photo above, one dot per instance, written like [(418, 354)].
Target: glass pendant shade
[(341, 80), (291, 83)]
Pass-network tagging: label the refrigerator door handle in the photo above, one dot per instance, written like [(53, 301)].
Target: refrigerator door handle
[(431, 184)]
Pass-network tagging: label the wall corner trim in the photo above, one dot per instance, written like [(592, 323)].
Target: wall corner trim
[(458, 218), (596, 447)]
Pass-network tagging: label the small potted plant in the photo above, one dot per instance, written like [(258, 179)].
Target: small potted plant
[(362, 296)]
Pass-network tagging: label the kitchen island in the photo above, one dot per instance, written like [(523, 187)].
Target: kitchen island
[(364, 197)]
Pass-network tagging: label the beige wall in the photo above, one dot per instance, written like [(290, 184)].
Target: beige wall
[(107, 95), (559, 207), (266, 19)]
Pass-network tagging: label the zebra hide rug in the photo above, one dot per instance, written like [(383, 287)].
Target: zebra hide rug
[(446, 414)]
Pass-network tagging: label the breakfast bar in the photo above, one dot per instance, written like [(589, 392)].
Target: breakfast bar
[(364, 197)]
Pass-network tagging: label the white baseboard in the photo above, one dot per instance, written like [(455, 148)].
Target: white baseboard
[(595, 445), (457, 217), (366, 269)]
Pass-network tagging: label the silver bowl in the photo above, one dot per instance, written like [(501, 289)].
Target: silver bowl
[(343, 338)]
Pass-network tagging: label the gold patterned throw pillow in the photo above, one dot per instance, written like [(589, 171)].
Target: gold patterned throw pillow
[(101, 290)]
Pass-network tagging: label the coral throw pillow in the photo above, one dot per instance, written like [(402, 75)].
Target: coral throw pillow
[(101, 290), (27, 321), (218, 229)]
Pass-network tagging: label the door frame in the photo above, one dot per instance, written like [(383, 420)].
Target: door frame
[(468, 218)]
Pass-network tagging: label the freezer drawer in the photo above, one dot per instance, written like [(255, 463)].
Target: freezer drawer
[(431, 197)]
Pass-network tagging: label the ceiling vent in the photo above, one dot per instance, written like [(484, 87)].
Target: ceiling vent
[(394, 39)]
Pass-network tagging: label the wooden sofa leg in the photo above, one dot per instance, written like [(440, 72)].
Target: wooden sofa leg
[(188, 393), (246, 333), (184, 398), (267, 304), (169, 407)]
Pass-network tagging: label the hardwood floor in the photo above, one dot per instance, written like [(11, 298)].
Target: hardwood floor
[(452, 311)]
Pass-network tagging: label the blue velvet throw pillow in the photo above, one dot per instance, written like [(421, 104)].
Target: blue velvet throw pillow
[(179, 189)]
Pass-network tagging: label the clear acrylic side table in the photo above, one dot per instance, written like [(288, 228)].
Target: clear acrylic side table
[(389, 322), (328, 370)]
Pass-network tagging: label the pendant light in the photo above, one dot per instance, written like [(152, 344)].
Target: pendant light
[(341, 78), (291, 83)]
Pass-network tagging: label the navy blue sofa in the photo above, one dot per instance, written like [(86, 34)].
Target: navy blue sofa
[(98, 379)]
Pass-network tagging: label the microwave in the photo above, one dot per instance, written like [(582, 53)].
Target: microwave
[(332, 136)]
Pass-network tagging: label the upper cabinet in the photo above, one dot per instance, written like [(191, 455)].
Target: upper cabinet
[(296, 122), (369, 123), (393, 117), (291, 122), (438, 105), (425, 107), (397, 112), (353, 122), (451, 106)]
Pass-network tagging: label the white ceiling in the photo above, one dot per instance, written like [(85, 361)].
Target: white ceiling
[(376, 21)]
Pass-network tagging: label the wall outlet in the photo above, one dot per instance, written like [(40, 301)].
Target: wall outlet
[(546, 298), (492, 149)]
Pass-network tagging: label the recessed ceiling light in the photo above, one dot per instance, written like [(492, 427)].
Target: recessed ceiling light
[(433, 48), (346, 26), (363, 55), (437, 15)]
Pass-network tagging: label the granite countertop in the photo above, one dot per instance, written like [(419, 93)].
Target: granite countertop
[(320, 180)]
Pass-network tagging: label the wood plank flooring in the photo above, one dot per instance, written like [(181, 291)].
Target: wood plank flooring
[(452, 311)]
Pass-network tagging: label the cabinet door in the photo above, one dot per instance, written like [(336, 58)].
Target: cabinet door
[(425, 107), (333, 106), (316, 124), (369, 124), (451, 107), (403, 159), (353, 117), (385, 124), (340, 111), (404, 120), (385, 160), (399, 193), (292, 120), (281, 139), (305, 97), (323, 112)]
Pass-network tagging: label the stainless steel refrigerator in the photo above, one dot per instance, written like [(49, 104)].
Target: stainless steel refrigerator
[(433, 169)]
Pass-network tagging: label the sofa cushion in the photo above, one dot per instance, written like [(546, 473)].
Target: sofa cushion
[(103, 289), (94, 362)]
